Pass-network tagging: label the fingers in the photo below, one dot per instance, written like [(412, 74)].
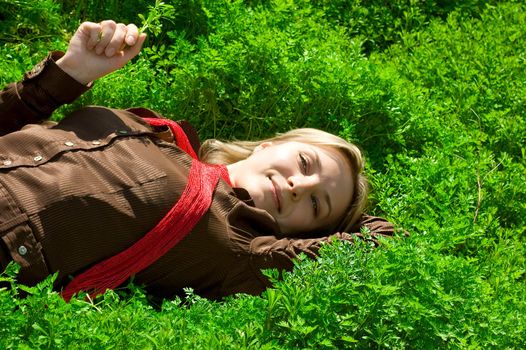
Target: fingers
[(110, 38), (91, 31), (104, 37), (117, 42), (132, 34), (132, 51)]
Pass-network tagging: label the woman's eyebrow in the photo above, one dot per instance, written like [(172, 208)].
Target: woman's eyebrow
[(327, 197), (329, 205)]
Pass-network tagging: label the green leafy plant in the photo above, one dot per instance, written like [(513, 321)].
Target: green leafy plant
[(437, 104), (157, 12)]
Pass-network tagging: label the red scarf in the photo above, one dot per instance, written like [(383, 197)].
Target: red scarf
[(178, 222)]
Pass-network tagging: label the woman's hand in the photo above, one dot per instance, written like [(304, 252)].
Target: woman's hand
[(98, 49)]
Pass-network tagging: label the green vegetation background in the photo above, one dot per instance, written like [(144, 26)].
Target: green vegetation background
[(433, 91)]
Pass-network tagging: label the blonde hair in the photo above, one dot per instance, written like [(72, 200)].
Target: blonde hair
[(218, 152)]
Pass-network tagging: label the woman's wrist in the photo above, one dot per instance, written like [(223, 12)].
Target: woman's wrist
[(74, 72)]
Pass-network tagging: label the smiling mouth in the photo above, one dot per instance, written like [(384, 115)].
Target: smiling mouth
[(275, 194)]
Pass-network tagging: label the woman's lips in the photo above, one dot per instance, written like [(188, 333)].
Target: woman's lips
[(276, 194)]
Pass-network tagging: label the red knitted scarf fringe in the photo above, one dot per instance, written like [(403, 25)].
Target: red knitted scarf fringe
[(177, 223)]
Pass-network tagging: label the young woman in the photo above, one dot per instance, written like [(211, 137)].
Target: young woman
[(105, 195)]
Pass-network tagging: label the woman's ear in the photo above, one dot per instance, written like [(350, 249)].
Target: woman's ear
[(262, 145)]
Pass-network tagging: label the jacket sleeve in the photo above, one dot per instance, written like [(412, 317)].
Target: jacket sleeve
[(42, 90), (271, 252)]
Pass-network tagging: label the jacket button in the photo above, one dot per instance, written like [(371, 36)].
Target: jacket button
[(69, 143), (37, 158), (22, 250)]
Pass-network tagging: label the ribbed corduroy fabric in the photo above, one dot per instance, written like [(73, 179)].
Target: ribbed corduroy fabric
[(178, 222)]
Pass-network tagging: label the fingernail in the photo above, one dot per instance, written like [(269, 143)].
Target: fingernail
[(110, 52), (129, 40)]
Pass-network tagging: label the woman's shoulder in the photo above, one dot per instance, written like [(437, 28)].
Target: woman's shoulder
[(187, 128), (98, 118)]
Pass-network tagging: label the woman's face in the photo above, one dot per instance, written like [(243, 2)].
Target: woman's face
[(304, 187)]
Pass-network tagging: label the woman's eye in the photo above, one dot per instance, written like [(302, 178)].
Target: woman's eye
[(314, 202), (304, 163)]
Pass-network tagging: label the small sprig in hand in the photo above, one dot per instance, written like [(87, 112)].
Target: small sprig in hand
[(153, 22), (97, 49)]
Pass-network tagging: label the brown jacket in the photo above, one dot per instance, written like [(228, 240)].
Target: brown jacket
[(76, 192)]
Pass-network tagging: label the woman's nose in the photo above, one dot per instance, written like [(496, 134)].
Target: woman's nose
[(301, 184)]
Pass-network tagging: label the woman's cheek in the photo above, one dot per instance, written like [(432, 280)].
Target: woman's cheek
[(299, 220)]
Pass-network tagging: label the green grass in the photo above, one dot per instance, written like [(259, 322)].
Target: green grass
[(433, 92)]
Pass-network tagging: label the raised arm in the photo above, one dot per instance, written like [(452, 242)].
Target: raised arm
[(61, 78)]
